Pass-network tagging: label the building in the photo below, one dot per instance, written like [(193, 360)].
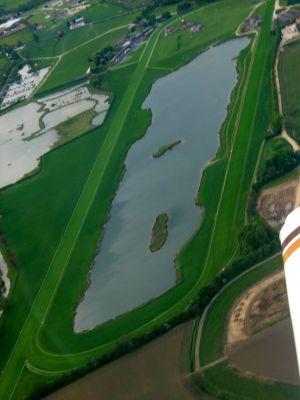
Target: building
[(77, 23)]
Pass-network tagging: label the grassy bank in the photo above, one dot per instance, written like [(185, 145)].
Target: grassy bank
[(289, 76), (228, 383)]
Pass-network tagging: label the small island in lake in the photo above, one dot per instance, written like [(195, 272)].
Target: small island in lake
[(159, 232), (162, 150)]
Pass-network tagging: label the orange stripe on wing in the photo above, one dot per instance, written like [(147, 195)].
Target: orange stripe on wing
[(291, 249)]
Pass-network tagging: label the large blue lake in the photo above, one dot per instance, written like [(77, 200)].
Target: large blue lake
[(189, 104)]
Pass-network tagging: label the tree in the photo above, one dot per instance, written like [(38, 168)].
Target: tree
[(166, 15), (184, 7)]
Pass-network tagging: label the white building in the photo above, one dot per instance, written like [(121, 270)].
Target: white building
[(77, 23)]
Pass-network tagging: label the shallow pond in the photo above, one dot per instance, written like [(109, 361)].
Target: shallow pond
[(20, 151), (189, 104)]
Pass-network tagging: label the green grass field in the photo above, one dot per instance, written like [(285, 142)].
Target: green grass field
[(18, 38), (50, 46), (9, 5), (221, 13), (3, 61), (68, 202), (289, 76), (227, 383), (75, 63), (76, 126)]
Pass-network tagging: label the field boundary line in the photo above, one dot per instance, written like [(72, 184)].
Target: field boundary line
[(17, 381)]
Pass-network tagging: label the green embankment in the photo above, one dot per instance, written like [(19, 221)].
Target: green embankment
[(159, 232), (55, 251), (289, 76), (162, 150), (227, 383)]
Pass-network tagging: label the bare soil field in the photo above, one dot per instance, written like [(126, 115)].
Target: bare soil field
[(158, 370), (259, 306), (259, 337), (275, 203), (268, 354), (268, 306)]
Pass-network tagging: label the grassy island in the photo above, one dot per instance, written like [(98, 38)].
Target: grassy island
[(163, 149), (159, 232)]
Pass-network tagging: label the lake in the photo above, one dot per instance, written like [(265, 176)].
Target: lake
[(189, 104)]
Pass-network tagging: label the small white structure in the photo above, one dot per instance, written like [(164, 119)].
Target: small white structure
[(77, 23), (290, 242)]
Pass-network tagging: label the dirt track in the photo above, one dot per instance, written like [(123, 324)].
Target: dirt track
[(157, 371)]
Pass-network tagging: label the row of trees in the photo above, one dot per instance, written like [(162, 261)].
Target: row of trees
[(10, 70), (30, 4), (281, 162)]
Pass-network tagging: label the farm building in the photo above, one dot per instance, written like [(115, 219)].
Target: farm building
[(77, 23)]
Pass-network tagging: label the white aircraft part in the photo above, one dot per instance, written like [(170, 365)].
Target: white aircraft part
[(290, 242)]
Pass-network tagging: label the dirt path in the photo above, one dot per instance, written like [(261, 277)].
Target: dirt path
[(238, 29), (290, 140), (276, 8)]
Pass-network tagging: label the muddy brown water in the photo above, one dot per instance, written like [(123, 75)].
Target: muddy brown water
[(270, 353)]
